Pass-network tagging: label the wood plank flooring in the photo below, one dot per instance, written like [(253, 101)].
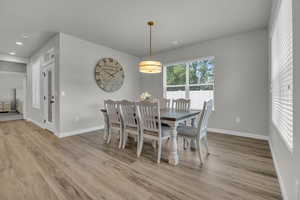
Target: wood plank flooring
[(34, 164)]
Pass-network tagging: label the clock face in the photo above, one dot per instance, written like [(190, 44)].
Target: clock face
[(109, 74)]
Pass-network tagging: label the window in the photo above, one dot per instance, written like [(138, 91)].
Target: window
[(282, 73), (36, 84), (191, 80)]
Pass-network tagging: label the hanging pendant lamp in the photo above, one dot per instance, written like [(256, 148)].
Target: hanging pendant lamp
[(150, 66)]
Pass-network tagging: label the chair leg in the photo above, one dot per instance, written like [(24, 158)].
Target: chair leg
[(121, 138), (137, 139), (125, 138), (184, 143), (206, 145), (140, 146), (154, 144), (108, 137), (159, 151), (199, 151)]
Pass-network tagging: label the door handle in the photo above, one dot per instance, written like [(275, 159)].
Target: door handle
[(52, 101)]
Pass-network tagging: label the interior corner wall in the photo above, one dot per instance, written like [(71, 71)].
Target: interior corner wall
[(33, 114), (81, 98), (241, 79)]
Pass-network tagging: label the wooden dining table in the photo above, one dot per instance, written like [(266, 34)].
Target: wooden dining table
[(172, 118)]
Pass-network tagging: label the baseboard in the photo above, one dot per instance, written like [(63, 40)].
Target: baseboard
[(282, 188), (34, 122), (239, 133), (80, 131)]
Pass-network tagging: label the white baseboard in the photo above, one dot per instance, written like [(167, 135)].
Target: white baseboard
[(282, 188), (80, 131), (34, 122), (239, 133)]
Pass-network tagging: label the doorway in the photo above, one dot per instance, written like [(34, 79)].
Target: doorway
[(49, 95)]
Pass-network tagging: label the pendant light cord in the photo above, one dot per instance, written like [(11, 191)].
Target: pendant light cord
[(150, 40), (150, 23)]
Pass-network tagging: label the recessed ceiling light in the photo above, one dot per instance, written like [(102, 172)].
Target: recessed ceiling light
[(12, 53), (19, 43)]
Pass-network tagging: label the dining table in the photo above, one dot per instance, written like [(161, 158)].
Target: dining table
[(172, 118)]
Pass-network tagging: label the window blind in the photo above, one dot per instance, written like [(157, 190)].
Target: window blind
[(282, 72)]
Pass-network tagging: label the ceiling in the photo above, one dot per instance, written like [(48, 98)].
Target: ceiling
[(121, 24)]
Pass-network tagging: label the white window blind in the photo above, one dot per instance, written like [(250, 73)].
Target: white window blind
[(282, 72), (36, 84)]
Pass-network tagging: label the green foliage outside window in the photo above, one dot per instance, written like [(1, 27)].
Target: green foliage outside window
[(176, 74), (200, 72)]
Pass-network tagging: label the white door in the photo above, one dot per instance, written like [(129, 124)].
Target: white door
[(49, 96)]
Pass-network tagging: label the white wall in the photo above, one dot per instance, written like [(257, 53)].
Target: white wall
[(82, 99), (34, 114), (241, 86)]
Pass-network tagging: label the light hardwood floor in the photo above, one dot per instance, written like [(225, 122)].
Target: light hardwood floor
[(34, 164)]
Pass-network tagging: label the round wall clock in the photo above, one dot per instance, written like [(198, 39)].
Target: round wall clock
[(109, 74)]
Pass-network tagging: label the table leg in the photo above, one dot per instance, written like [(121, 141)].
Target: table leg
[(173, 153), (193, 141)]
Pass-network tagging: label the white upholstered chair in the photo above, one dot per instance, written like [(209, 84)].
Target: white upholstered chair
[(198, 133), (115, 124), (151, 128), (130, 121)]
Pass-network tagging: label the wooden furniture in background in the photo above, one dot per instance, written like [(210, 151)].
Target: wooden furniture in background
[(130, 121), (150, 124), (5, 106), (198, 133), (169, 117), (164, 103), (181, 104), (114, 120)]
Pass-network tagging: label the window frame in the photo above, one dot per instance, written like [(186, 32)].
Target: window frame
[(187, 74)]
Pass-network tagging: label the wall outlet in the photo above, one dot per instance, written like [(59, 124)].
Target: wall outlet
[(237, 120)]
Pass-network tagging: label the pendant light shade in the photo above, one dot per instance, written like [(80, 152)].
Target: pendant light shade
[(150, 66)]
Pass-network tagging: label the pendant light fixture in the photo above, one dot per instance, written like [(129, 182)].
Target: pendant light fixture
[(150, 66)]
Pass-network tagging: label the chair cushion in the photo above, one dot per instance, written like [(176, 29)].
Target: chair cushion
[(131, 129), (115, 125), (186, 131), (165, 131)]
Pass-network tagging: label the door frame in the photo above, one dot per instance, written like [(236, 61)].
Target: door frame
[(51, 126)]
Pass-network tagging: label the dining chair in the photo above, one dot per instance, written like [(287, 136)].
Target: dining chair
[(198, 133), (115, 122), (150, 125), (181, 104), (130, 121), (164, 103)]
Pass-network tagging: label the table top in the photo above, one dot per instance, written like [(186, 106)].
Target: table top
[(174, 115)]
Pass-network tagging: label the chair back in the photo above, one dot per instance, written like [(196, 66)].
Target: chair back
[(181, 104), (112, 109), (164, 103), (128, 113), (149, 116), (203, 121)]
